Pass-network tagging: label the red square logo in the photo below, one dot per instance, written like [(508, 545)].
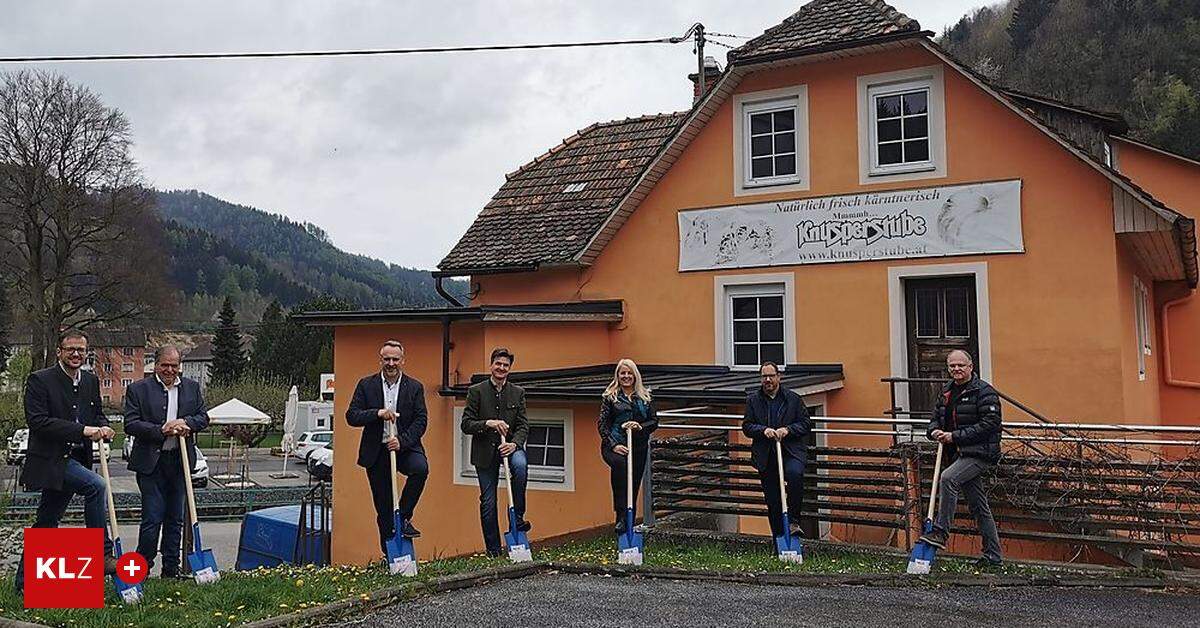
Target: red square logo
[(64, 568)]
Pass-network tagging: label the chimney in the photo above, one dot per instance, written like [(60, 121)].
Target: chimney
[(711, 72)]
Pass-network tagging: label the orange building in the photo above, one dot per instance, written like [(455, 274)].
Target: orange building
[(845, 198)]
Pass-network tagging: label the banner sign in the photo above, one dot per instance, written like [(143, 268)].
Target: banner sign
[(930, 222)]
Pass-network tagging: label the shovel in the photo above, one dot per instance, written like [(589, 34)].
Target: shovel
[(516, 540), (787, 545), (202, 561), (630, 544), (401, 557), (130, 593), (923, 553)]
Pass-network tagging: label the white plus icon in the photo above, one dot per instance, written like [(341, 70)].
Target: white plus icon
[(132, 568)]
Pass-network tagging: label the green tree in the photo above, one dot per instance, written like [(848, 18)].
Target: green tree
[(267, 340), (229, 359), (5, 329)]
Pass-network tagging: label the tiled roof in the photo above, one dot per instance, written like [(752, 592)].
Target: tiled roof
[(828, 23), (548, 209)]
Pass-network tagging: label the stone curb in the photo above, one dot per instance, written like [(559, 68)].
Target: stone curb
[(393, 594)]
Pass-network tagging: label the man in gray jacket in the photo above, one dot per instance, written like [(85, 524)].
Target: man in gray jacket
[(495, 408)]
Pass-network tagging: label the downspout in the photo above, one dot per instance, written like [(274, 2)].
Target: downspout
[(441, 290), (1166, 333)]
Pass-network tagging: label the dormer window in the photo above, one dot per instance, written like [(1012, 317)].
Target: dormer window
[(902, 126), (771, 141)]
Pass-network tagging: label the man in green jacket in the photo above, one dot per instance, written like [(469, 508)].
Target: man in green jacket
[(495, 408)]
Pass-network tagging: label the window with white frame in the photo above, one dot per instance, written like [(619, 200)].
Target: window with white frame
[(108, 383), (755, 319), (127, 368), (1142, 310), (126, 382), (902, 125), (548, 450), (127, 351), (771, 140)]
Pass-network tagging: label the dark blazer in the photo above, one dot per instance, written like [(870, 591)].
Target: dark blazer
[(620, 410), (56, 415), (757, 419), (412, 417), (485, 403), (146, 411)]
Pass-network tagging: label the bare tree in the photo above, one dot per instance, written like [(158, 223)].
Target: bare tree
[(79, 242)]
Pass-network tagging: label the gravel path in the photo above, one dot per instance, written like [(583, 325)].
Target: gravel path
[(570, 600)]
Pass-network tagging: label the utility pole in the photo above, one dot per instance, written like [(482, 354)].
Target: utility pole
[(700, 82)]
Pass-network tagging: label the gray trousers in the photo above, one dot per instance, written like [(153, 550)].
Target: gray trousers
[(963, 476)]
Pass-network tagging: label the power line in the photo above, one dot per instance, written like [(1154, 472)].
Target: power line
[(175, 56)]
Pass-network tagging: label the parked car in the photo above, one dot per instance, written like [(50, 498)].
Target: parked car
[(310, 441), (199, 476), (18, 443), (320, 462)]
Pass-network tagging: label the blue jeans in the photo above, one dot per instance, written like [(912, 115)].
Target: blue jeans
[(77, 480), (163, 492), (489, 477)]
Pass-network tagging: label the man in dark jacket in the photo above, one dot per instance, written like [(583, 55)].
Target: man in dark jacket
[(395, 400), (63, 411), (966, 419), (158, 410), (495, 408), (777, 414)]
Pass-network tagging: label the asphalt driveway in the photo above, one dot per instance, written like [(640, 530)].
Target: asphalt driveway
[(578, 601)]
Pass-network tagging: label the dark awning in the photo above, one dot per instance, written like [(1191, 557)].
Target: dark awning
[(680, 383), (544, 312)]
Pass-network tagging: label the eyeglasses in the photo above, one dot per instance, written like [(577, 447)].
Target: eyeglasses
[(391, 360), (79, 350)]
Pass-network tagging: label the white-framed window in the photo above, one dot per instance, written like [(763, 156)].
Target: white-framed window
[(902, 125), (127, 351), (756, 320), (770, 136), (1108, 153), (549, 450), (127, 367), (1141, 314), (107, 383), (108, 367), (126, 382)]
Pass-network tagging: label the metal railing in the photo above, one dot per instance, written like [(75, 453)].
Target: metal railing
[(1127, 490)]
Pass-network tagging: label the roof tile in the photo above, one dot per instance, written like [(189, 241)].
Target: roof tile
[(824, 23)]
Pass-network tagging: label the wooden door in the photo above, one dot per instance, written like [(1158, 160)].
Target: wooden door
[(941, 316)]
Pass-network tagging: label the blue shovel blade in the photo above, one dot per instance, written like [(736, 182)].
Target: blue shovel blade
[(400, 548), (130, 593), (630, 539), (514, 537), (921, 559), (786, 543), (202, 561)]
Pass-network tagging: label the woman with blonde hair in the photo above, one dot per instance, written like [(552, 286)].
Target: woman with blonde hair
[(625, 404)]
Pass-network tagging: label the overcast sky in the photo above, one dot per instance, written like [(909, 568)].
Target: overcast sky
[(393, 156)]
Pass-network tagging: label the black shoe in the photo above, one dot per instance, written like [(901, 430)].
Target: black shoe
[(170, 574), (523, 525), (937, 538), (797, 531), (987, 564), (110, 565), (621, 526), (409, 531), (494, 553)]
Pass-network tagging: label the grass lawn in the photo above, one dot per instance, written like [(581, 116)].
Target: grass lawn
[(247, 596)]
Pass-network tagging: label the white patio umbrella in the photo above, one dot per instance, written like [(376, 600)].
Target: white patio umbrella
[(288, 443)]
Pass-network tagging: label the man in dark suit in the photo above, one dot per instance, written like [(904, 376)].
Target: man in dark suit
[(777, 414), (495, 408), (391, 397), (158, 410), (63, 411)]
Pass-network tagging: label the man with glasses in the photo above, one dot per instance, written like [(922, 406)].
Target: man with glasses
[(966, 419), (63, 411), (158, 410), (495, 408), (391, 397), (777, 414)]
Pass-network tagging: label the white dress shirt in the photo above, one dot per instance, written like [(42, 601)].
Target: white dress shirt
[(390, 393), (172, 409)]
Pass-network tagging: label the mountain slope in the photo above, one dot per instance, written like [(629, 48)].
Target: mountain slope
[(228, 247), (1137, 57)]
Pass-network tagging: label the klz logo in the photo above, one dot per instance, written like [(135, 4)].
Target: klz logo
[(64, 568)]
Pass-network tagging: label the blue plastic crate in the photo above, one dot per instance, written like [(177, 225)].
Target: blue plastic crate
[(269, 537)]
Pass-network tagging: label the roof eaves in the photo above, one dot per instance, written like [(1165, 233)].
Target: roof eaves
[(1157, 149), (1180, 221)]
